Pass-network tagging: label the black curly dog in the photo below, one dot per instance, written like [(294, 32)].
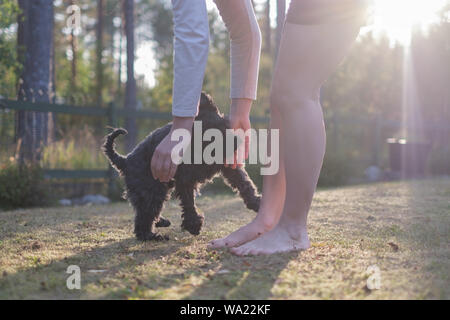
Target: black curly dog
[(147, 195)]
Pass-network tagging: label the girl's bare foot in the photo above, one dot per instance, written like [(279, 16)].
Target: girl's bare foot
[(244, 234), (280, 239)]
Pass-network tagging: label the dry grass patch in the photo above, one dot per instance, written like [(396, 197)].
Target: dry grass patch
[(402, 227)]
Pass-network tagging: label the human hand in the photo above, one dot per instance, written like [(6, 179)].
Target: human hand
[(162, 166), (240, 119)]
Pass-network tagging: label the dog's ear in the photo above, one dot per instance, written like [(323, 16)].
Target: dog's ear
[(205, 99), (207, 104)]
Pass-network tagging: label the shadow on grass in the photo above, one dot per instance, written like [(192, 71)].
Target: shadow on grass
[(244, 277), (229, 278), (154, 270), (413, 216), (50, 279)]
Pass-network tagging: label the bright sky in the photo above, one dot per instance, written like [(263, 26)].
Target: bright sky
[(395, 18)]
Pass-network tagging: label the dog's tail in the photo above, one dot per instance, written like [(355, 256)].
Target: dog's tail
[(118, 161)]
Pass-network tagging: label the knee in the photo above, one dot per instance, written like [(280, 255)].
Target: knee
[(284, 99)]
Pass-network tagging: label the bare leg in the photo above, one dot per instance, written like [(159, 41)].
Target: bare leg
[(271, 206), (308, 55)]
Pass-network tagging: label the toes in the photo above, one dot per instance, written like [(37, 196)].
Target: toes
[(215, 244), (221, 243), (233, 242), (235, 251), (254, 252), (246, 250), (239, 251), (224, 243), (211, 245)]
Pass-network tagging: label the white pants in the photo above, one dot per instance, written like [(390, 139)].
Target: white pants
[(191, 47)]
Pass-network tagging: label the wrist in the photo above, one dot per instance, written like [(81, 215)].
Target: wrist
[(241, 106), (182, 123)]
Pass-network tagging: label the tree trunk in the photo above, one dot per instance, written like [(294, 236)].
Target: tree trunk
[(35, 36), (130, 93), (119, 71), (21, 41), (268, 30), (281, 13), (74, 48), (99, 52), (52, 116)]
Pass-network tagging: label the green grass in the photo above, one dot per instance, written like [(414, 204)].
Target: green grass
[(350, 229)]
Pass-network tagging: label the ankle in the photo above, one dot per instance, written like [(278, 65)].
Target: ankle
[(265, 223), (294, 228)]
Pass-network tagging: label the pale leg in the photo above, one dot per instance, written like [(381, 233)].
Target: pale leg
[(308, 55), (274, 187)]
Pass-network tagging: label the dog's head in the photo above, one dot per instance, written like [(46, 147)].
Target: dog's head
[(211, 118), (207, 110), (210, 115)]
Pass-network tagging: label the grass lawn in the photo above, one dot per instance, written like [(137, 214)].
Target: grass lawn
[(401, 227)]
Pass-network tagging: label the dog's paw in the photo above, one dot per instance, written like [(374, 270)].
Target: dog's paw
[(152, 237), (160, 237), (254, 204), (193, 225), (162, 223)]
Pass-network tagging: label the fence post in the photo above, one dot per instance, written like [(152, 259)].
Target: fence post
[(112, 121)]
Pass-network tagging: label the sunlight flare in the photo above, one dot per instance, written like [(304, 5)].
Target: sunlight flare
[(397, 18)]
